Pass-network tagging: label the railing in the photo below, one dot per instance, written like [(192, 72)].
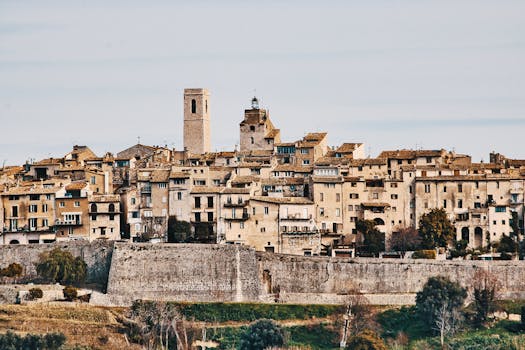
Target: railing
[(145, 189), (243, 216), (230, 204), (296, 217), (68, 222)]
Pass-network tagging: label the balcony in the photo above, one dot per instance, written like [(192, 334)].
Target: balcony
[(145, 189), (241, 217), (297, 217), (68, 223), (233, 204), (516, 190)]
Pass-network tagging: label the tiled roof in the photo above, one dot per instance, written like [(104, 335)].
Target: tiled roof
[(293, 168), (348, 147), (235, 190), (245, 179), (283, 181), (77, 185), (372, 204), (206, 189), (272, 134), (327, 179)]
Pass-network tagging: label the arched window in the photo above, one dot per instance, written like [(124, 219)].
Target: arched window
[(111, 207), (379, 221), (193, 106), (252, 128), (14, 241), (465, 234), (93, 208), (251, 138)]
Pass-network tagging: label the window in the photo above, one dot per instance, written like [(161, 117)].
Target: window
[(263, 229), (34, 197), (179, 181), (44, 208), (210, 216), (321, 197), (460, 187), (477, 184), (304, 151), (62, 204), (77, 204), (354, 195), (197, 217), (460, 203), (93, 208), (266, 210), (321, 211), (14, 211), (252, 128), (429, 159), (427, 188), (45, 223), (477, 205), (500, 209), (375, 195), (13, 198), (253, 210), (33, 208), (94, 217), (393, 184), (32, 223), (503, 222), (350, 208), (394, 209), (133, 200), (193, 106), (337, 197), (393, 196), (210, 202), (162, 185), (354, 184), (252, 140), (48, 197), (179, 196), (444, 188), (93, 180), (135, 214), (306, 162), (353, 218), (197, 202), (241, 225), (444, 203), (337, 212)]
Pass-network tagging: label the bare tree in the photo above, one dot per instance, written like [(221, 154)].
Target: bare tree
[(359, 315), (447, 321)]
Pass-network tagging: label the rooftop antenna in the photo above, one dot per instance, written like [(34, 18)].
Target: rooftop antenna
[(138, 140)]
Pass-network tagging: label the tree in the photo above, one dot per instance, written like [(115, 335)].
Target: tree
[(13, 270), (359, 315), (404, 240), (507, 245), (60, 266), (70, 293), (261, 335), (438, 304), (486, 286), (435, 229), (373, 239), (178, 231), (366, 340)]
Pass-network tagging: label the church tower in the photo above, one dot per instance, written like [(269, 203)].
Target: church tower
[(197, 121)]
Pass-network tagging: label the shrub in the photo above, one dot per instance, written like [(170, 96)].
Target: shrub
[(366, 340), (60, 266), (261, 335), (50, 341), (35, 293), (424, 254), (70, 293), (13, 270)]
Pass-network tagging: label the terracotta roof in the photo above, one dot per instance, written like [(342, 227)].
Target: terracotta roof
[(21, 191), (236, 190), (179, 175), (315, 136), (249, 165), (285, 144), (327, 179), (348, 147), (77, 185), (245, 179), (49, 161), (206, 189), (104, 198), (367, 161), (282, 200), (272, 133), (516, 162), (411, 154), (470, 177)]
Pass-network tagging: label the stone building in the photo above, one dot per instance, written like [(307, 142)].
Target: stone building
[(257, 131), (104, 212), (197, 121)]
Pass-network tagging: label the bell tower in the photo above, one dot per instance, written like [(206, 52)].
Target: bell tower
[(197, 121)]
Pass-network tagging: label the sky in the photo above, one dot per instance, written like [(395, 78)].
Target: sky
[(392, 74)]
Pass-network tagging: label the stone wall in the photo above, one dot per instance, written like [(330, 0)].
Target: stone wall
[(97, 256), (182, 272), (303, 279)]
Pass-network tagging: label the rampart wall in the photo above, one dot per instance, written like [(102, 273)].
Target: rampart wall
[(227, 273)]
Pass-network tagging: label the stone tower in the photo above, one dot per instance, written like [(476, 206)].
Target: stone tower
[(197, 121), (257, 131)]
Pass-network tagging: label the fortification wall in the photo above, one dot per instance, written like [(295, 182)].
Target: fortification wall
[(97, 256), (182, 272), (306, 279)]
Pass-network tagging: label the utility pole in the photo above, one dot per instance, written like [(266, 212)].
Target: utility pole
[(347, 317)]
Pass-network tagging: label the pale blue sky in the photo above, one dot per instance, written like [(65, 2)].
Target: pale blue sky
[(392, 74)]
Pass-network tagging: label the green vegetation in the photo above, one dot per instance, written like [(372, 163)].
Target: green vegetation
[(435, 229), (70, 293), (366, 340), (12, 341), (373, 239), (60, 266), (248, 312), (260, 335), (35, 293), (424, 254)]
